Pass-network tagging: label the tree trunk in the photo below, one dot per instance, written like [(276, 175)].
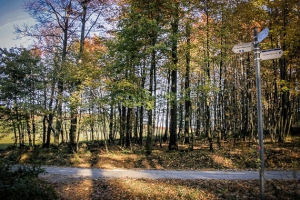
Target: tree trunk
[(122, 125), (29, 132), (165, 137), (136, 126), (141, 110), (151, 119), (74, 108), (285, 104), (128, 127), (15, 134), (180, 126), (149, 140), (173, 145), (44, 131), (60, 84), (207, 100), (187, 103), (49, 130), (111, 124), (33, 129)]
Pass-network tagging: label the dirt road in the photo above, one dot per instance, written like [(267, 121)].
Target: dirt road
[(57, 174)]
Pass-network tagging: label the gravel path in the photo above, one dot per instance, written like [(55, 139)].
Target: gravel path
[(61, 174)]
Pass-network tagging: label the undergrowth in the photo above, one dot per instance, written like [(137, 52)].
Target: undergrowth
[(21, 182)]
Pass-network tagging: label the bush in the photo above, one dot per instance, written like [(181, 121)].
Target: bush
[(22, 183)]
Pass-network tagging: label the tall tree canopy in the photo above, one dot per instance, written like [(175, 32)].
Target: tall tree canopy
[(157, 69)]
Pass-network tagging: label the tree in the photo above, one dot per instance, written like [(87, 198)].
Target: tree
[(157, 54), (283, 35), (187, 89), (57, 29), (55, 21), (87, 10), (19, 71), (173, 121)]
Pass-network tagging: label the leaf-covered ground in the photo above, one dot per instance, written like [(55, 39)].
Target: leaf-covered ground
[(240, 156), (278, 156), (112, 189)]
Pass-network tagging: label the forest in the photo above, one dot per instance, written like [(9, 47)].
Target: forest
[(150, 71)]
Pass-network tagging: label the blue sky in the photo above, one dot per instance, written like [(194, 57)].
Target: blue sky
[(12, 13)]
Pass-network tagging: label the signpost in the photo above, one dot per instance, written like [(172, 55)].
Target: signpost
[(271, 54), (263, 55), (244, 47), (259, 114), (263, 34)]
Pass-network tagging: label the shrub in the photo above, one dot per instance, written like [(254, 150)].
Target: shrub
[(22, 183)]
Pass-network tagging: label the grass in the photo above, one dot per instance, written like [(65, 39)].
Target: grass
[(6, 141)]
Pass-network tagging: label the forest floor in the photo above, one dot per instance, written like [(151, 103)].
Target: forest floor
[(231, 156)]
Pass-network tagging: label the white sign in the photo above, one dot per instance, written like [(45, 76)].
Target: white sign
[(271, 54), (244, 47), (263, 34)]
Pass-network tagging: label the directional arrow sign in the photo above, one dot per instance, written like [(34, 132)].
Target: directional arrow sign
[(263, 34), (244, 47), (271, 54)]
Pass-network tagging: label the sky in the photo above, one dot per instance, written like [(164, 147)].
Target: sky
[(12, 13)]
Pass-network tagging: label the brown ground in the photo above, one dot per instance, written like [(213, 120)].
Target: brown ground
[(112, 189), (285, 156)]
